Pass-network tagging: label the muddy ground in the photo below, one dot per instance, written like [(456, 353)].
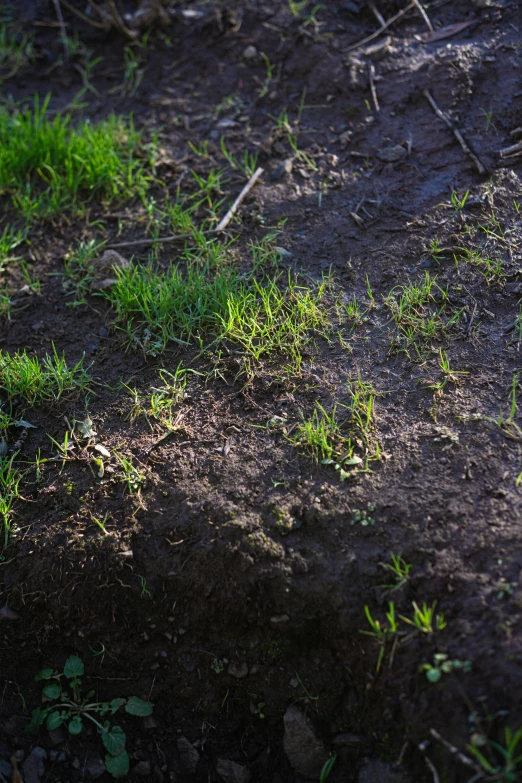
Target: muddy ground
[(234, 585)]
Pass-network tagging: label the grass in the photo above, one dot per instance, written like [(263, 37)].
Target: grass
[(208, 300), (420, 314), (48, 166), (40, 381), (79, 270), (16, 51), (9, 480), (501, 763), (320, 434)]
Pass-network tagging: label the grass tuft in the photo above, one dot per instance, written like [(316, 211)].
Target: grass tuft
[(48, 166)]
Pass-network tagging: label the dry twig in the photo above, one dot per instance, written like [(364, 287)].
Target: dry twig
[(371, 69), (232, 211), (381, 29), (220, 227), (455, 751), (455, 131), (424, 15)]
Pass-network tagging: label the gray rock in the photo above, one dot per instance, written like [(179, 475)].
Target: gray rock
[(94, 766), (375, 771), (305, 752), (239, 669), (392, 154), (143, 768), (188, 756), (33, 766), (284, 168), (250, 53), (231, 772)]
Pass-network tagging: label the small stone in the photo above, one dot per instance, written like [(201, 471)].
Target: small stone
[(231, 772), (150, 722), (305, 752), (283, 252), (250, 53), (277, 619), (392, 154), (155, 666), (103, 331), (188, 756), (239, 670), (6, 613), (225, 123), (33, 766), (284, 168), (76, 764), (94, 766), (143, 768), (294, 682)]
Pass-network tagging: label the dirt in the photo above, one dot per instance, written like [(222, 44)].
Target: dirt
[(234, 586)]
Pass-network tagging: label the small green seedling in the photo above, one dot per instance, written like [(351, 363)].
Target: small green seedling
[(327, 768), (70, 707), (400, 570), (382, 632), (442, 665), (362, 516), (424, 619)]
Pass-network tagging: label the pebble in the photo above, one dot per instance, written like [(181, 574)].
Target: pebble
[(188, 756), (284, 168), (250, 53), (238, 670), (143, 768), (304, 750), (231, 772)]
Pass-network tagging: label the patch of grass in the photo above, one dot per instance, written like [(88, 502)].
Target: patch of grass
[(320, 434), (421, 313), (10, 240), (79, 270), (424, 618), (490, 268), (16, 51), (48, 166), (382, 632), (501, 763), (9, 480), (130, 475), (40, 381), (208, 298)]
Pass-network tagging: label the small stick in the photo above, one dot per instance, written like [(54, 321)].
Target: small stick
[(432, 769), (232, 211), (371, 69), (424, 15), (220, 227), (381, 29), (455, 131), (63, 36), (173, 238), (84, 17), (455, 751), (513, 150), (380, 18)]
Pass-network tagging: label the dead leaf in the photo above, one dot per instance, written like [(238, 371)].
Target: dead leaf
[(444, 32)]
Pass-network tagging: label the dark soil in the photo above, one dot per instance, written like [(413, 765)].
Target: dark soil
[(249, 554)]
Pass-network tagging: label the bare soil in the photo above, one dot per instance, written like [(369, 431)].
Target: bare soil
[(240, 549)]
